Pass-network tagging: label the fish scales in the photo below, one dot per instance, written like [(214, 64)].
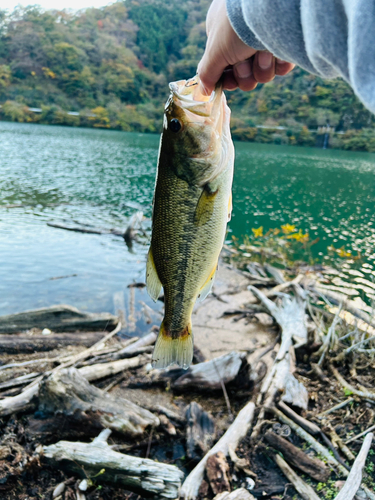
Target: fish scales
[(190, 213)]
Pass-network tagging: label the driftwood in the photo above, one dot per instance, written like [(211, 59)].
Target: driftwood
[(18, 343), (200, 431), (239, 494), (60, 318), (101, 370), (232, 437), (217, 470), (22, 380), (354, 479), (294, 456), (140, 475), (291, 318), (212, 374), (27, 399), (70, 398), (305, 490)]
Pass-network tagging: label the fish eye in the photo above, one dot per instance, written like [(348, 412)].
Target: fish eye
[(174, 125)]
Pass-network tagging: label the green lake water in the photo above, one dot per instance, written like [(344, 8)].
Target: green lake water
[(101, 178)]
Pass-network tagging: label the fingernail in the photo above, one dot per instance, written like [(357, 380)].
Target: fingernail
[(243, 69), (265, 60), (281, 61)]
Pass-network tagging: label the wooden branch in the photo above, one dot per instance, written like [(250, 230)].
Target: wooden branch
[(22, 343), (26, 400), (294, 456), (336, 440), (212, 374), (60, 318), (101, 370), (334, 408), (233, 436), (200, 431), (142, 476), (357, 436), (70, 396), (311, 440), (351, 388), (354, 479), (303, 422), (89, 229), (305, 490)]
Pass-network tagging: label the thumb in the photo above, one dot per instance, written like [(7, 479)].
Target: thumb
[(210, 69)]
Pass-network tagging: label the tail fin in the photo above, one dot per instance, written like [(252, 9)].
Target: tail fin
[(168, 351)]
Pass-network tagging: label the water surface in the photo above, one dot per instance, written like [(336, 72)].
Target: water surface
[(101, 178)]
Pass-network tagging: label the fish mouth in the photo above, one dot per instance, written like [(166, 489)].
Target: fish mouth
[(188, 95), (199, 108)]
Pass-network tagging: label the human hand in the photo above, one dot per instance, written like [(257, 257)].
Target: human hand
[(226, 54)]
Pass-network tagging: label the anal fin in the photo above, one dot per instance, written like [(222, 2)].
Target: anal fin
[(206, 288), (153, 282), (169, 351)]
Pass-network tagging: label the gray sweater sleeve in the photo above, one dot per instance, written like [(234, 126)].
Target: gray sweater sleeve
[(329, 38)]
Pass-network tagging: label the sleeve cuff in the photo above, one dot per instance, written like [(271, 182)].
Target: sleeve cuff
[(236, 19)]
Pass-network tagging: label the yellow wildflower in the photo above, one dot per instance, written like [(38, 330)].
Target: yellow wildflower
[(341, 252), (258, 232), (288, 228), (299, 236)]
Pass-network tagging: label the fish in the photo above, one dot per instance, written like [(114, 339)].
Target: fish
[(191, 208)]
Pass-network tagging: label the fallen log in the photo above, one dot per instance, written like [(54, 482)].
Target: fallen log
[(212, 374), (232, 437), (69, 398), (200, 431), (354, 479), (97, 459), (21, 343), (59, 318), (296, 457)]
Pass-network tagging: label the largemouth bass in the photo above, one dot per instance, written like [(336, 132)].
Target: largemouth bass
[(192, 205)]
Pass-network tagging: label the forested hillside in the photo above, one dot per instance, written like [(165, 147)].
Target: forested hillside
[(110, 68)]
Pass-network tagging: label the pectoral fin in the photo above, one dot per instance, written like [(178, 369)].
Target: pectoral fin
[(153, 282), (206, 288), (230, 207), (205, 206)]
